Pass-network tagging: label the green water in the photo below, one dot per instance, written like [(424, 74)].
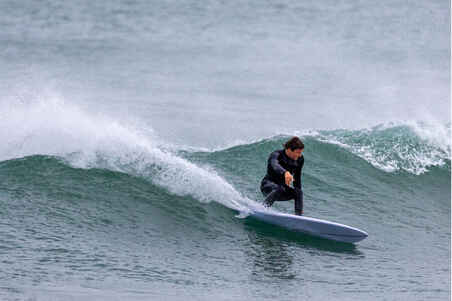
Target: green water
[(70, 232)]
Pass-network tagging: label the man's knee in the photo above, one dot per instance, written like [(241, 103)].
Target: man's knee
[(268, 187), (298, 191)]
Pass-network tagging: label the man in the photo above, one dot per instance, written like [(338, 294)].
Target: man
[(284, 167)]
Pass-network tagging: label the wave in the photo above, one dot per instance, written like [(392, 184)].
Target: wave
[(413, 147), (53, 127), (410, 146), (228, 176), (337, 182)]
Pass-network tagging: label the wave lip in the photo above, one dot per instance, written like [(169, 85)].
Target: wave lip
[(412, 147)]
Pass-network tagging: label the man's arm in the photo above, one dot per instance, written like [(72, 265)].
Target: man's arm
[(274, 165), (297, 177)]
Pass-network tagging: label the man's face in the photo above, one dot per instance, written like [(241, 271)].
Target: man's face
[(294, 154)]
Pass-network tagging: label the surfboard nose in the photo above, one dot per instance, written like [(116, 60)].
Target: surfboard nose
[(360, 235)]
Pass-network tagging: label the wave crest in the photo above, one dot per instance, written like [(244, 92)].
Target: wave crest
[(53, 127), (411, 147)]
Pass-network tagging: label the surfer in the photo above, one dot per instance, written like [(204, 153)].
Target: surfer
[(283, 179)]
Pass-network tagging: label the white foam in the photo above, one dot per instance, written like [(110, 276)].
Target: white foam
[(53, 127), (432, 146)]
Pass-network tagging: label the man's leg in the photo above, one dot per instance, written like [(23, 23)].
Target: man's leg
[(298, 197), (273, 196), (272, 192)]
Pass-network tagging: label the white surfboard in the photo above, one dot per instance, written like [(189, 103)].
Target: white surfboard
[(311, 226)]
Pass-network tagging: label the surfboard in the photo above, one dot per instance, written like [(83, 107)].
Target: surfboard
[(311, 226)]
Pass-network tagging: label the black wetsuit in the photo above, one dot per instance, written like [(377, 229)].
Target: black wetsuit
[(273, 185)]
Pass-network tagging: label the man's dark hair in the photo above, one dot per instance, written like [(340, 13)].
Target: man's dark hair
[(294, 143)]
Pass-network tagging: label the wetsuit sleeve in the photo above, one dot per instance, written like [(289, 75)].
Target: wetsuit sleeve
[(274, 165), (297, 176)]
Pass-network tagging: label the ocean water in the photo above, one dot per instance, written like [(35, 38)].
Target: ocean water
[(134, 132)]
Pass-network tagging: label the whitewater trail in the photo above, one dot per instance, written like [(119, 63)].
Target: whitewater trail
[(83, 140)]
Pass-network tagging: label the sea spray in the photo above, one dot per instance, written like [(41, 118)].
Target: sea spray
[(54, 127)]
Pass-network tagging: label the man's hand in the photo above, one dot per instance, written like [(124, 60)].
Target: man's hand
[(288, 178)]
